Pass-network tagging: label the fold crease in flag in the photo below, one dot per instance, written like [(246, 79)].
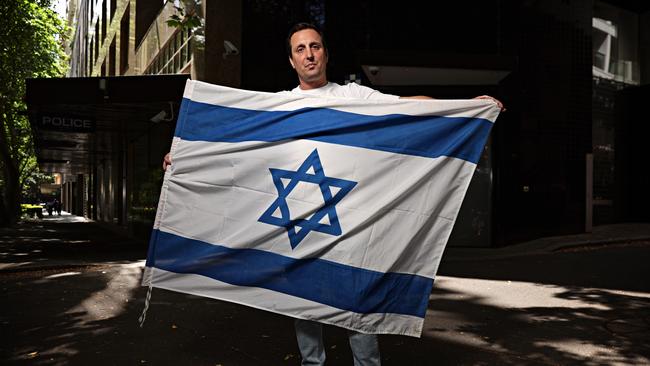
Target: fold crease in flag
[(328, 209)]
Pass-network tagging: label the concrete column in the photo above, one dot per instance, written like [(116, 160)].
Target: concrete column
[(223, 22), (79, 195), (64, 196), (122, 182), (70, 206), (589, 192), (644, 47), (94, 186)]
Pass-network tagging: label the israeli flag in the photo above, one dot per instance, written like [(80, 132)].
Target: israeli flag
[(328, 209)]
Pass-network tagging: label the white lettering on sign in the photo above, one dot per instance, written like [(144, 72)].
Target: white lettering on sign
[(67, 123)]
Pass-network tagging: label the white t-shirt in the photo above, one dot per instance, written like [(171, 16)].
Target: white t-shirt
[(351, 90)]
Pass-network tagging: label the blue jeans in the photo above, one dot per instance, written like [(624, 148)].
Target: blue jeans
[(365, 348)]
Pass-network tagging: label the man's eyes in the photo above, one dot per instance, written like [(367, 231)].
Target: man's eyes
[(315, 46)]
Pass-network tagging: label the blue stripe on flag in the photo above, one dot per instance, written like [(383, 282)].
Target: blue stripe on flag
[(458, 137), (334, 284)]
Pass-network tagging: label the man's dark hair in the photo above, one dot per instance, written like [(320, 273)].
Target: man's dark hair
[(302, 26)]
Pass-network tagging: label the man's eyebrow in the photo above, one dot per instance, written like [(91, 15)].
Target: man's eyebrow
[(312, 43)]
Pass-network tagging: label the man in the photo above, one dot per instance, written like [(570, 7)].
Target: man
[(308, 55), (57, 207)]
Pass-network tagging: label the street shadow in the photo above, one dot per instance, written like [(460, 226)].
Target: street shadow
[(89, 315), (616, 326), (623, 267), (45, 240), (607, 323)]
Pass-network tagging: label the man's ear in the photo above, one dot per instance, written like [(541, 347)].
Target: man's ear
[(292, 64)]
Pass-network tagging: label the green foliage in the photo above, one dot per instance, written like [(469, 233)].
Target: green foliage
[(186, 16), (31, 210), (31, 37), (145, 197), (27, 206), (31, 180)]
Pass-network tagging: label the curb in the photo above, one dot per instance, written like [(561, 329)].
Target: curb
[(60, 266), (529, 249)]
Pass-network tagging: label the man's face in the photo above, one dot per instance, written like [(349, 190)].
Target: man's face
[(308, 56)]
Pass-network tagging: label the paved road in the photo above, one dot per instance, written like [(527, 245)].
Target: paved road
[(72, 297)]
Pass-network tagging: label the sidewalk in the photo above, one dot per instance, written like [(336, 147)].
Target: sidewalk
[(63, 241), (73, 297), (84, 242), (600, 236)]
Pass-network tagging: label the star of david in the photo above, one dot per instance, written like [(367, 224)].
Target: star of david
[(298, 228)]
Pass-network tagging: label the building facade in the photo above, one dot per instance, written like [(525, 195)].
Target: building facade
[(557, 65)]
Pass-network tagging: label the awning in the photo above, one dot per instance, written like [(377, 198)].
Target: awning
[(67, 114), (420, 68)]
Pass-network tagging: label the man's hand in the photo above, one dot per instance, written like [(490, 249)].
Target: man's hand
[(495, 100), (167, 161)]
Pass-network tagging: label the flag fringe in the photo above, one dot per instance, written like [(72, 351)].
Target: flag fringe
[(147, 300)]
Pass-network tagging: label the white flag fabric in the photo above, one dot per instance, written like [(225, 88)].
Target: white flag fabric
[(329, 209)]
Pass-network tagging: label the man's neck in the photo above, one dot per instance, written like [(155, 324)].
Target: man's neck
[(304, 85)]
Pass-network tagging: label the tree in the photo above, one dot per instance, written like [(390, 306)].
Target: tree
[(31, 36)]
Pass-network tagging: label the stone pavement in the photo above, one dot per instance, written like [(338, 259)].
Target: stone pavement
[(71, 296)]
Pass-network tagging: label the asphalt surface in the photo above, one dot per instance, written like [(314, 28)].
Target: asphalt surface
[(72, 296)]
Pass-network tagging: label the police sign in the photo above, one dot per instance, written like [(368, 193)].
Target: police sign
[(66, 123)]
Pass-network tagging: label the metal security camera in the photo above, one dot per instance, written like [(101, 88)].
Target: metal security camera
[(230, 49), (163, 116), (160, 116)]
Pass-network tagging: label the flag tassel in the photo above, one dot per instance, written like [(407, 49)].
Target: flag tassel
[(147, 300)]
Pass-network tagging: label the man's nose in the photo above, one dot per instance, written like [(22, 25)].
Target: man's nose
[(310, 54)]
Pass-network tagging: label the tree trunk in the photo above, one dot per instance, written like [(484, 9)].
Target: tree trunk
[(10, 207)]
